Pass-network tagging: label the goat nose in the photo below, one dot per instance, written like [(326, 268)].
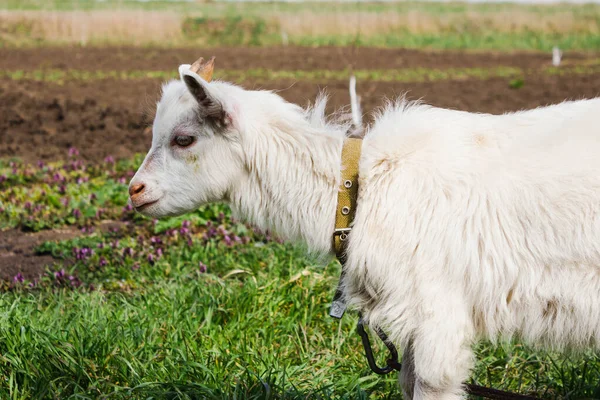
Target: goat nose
[(136, 189)]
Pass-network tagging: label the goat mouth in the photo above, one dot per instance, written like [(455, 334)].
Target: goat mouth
[(144, 206)]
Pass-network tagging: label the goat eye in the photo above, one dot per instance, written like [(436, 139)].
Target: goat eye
[(183, 141)]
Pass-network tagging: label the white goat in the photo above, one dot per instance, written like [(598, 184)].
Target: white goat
[(468, 225)]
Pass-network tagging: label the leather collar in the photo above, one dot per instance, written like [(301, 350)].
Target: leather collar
[(347, 194)]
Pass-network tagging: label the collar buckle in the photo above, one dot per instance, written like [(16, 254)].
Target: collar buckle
[(342, 232)]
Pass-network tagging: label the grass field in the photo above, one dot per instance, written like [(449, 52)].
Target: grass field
[(198, 306), (406, 24)]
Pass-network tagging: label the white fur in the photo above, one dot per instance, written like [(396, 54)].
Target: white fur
[(468, 225)]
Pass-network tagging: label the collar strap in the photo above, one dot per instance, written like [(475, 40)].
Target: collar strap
[(347, 195)]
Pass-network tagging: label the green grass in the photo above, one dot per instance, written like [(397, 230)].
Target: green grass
[(490, 40), (264, 35), (219, 312), (263, 75)]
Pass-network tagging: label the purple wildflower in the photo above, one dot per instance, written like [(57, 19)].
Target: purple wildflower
[(76, 213), (78, 164), (18, 278), (159, 253), (3, 178), (74, 281), (109, 160), (128, 252), (128, 208), (135, 267), (82, 253), (210, 233), (40, 164), (28, 205), (150, 258), (185, 224), (103, 262), (73, 152), (202, 267)]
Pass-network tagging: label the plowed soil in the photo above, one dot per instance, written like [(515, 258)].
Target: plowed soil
[(111, 117), (274, 58), (41, 120)]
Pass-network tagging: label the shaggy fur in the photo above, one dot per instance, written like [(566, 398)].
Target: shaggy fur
[(468, 225)]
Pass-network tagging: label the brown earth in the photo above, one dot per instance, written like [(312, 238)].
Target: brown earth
[(40, 120), (274, 58), (17, 251), (108, 117)]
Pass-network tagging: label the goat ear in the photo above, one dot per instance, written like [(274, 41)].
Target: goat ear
[(210, 106)]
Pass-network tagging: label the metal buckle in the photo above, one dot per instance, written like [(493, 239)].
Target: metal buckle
[(343, 232)]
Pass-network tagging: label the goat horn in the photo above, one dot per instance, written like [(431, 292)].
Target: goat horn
[(204, 69)]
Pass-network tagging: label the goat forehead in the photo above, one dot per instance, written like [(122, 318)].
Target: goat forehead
[(171, 112), (175, 97)]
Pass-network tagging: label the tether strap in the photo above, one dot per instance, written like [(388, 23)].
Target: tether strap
[(344, 214), (394, 365)]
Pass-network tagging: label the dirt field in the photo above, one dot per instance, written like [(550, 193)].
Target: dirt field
[(276, 58), (41, 120)]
